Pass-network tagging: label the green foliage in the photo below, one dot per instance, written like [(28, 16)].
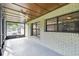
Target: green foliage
[(13, 26)]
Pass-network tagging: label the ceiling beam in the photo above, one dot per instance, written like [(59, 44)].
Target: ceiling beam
[(17, 11), (15, 22), (11, 15), (13, 9), (26, 8)]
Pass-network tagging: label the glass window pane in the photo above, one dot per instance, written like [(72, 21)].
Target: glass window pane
[(69, 23), (36, 29), (52, 21), (15, 29), (52, 24)]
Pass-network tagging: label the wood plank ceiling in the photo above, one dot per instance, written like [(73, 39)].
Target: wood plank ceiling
[(34, 10), (38, 9)]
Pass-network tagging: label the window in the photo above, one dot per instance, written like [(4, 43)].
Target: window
[(14, 29), (51, 24), (69, 23), (35, 29), (65, 23), (38, 28)]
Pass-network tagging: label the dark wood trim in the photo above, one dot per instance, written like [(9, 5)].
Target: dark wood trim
[(45, 25), (31, 32), (24, 29), (57, 24), (34, 28), (50, 11), (51, 24), (0, 52)]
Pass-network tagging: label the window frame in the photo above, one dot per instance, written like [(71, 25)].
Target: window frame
[(18, 23), (35, 29), (58, 24), (51, 24)]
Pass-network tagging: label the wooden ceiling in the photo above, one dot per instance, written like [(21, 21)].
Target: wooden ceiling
[(38, 9), (34, 10)]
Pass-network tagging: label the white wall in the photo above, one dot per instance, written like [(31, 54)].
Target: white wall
[(63, 43)]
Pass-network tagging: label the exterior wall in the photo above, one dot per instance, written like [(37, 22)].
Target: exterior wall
[(63, 43)]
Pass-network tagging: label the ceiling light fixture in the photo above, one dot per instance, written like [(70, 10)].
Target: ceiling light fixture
[(68, 17)]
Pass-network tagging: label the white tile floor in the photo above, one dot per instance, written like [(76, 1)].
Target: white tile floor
[(24, 47)]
